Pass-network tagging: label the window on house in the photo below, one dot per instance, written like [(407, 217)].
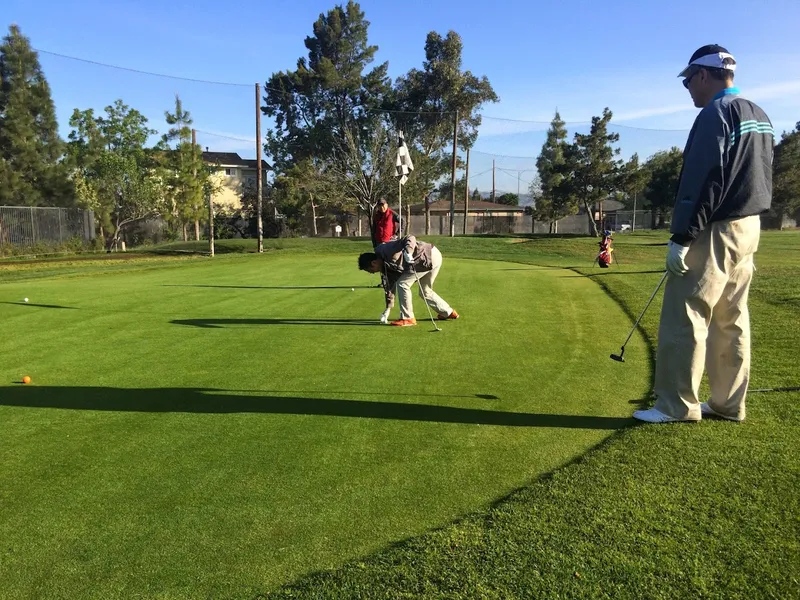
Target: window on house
[(230, 172)]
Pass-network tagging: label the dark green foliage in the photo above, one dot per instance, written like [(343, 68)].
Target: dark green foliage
[(31, 170)]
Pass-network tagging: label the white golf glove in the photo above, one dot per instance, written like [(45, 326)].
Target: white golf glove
[(408, 257), (675, 259), (385, 316)]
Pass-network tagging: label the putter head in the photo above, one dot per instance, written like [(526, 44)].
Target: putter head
[(619, 357)]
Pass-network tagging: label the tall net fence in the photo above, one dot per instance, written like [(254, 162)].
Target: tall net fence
[(30, 227)]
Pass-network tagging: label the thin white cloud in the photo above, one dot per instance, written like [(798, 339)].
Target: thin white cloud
[(757, 94), (777, 90), (655, 111)]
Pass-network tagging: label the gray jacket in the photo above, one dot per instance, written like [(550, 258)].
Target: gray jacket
[(391, 253), (727, 166)]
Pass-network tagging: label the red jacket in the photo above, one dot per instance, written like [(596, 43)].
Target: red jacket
[(386, 226)]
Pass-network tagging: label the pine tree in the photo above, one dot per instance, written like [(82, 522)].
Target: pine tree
[(30, 150), (553, 200), (594, 170), (786, 178), (185, 168)]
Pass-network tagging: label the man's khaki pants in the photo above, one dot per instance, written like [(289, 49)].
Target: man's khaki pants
[(426, 280), (705, 322)]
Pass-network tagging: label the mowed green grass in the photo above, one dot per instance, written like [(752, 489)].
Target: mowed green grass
[(707, 510), (215, 429)]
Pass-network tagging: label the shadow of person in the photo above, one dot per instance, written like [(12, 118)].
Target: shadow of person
[(212, 401)]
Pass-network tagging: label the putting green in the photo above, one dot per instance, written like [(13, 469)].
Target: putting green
[(210, 428)]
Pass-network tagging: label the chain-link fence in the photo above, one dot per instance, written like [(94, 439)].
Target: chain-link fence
[(627, 220), (29, 226), (477, 224)]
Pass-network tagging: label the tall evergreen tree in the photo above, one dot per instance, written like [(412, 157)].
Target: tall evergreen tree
[(633, 181), (425, 101), (664, 173), (786, 177), (594, 170), (329, 94), (553, 198), (185, 170), (325, 109), (31, 170)]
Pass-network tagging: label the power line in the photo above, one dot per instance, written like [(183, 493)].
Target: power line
[(227, 137), (224, 83), (502, 155), (381, 110), (610, 124), (141, 72)]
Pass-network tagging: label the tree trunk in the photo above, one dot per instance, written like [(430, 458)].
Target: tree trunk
[(590, 215), (427, 218), (197, 230), (314, 217), (185, 232)]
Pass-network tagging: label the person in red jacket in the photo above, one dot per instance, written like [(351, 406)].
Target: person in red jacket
[(385, 225)]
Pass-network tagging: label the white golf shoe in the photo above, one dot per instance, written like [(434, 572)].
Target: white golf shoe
[(656, 416)]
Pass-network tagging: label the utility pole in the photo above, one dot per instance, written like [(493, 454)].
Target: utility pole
[(259, 183), (453, 179), (466, 195), (633, 219), (493, 180)]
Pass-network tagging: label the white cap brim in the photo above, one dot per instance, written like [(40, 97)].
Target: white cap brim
[(714, 61)]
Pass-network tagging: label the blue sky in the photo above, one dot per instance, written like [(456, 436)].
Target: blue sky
[(575, 55)]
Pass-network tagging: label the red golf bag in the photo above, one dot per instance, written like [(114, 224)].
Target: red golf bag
[(604, 256)]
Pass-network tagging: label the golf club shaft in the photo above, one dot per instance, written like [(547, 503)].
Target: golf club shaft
[(777, 389), (424, 296), (646, 306)]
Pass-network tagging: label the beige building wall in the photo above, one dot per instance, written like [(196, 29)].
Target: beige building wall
[(229, 188), (231, 182)]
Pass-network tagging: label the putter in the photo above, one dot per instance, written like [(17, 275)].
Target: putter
[(621, 356), (435, 326), (795, 388)]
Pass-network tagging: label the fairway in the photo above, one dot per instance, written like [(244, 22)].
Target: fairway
[(201, 428)]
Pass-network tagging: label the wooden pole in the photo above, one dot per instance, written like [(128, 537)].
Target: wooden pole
[(400, 207), (633, 219), (493, 181), (259, 183), (466, 195), (453, 178)]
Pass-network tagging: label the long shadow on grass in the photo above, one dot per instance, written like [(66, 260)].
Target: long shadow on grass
[(40, 305), (273, 287), (538, 268), (210, 401), (604, 273), (219, 323)]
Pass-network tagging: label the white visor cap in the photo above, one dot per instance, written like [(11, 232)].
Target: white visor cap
[(715, 60)]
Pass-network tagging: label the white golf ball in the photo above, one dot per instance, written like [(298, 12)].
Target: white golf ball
[(352, 289), (25, 300)]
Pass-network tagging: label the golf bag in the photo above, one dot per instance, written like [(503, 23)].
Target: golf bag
[(604, 257)]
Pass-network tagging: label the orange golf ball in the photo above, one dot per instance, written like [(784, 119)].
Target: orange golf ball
[(26, 380)]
